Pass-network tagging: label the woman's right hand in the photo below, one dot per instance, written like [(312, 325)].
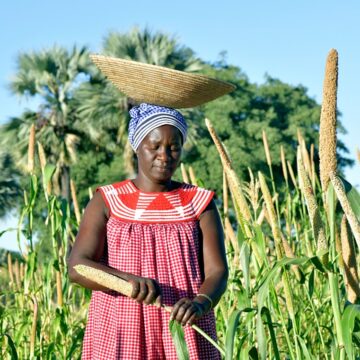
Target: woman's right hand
[(145, 290)]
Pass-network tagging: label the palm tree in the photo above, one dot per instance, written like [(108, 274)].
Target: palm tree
[(104, 107), (50, 75), (9, 185), (156, 49)]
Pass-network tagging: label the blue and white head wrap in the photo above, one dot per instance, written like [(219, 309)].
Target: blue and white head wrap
[(147, 117)]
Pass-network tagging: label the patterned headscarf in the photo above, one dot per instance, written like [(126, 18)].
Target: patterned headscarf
[(147, 117)]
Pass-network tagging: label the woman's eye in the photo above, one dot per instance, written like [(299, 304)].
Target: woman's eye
[(156, 147)]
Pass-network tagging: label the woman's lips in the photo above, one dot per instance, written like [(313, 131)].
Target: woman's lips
[(163, 168)]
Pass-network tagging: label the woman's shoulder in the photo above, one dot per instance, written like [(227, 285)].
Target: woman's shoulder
[(123, 186), (194, 188), (199, 197)]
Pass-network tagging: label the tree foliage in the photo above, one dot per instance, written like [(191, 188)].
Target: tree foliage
[(10, 191), (82, 118), (51, 75), (280, 109)]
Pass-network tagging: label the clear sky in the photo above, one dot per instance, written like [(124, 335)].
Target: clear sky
[(288, 40)]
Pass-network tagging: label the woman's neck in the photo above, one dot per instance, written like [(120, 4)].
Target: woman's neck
[(147, 185)]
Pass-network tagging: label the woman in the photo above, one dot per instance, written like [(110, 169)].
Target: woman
[(162, 236)]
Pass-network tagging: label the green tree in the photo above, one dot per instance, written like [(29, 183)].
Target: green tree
[(10, 191), (240, 117), (50, 75)]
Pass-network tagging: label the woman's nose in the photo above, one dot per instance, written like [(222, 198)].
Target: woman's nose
[(164, 153)]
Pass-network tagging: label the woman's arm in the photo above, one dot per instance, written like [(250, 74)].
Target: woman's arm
[(89, 244), (215, 264), (215, 269), (89, 248)]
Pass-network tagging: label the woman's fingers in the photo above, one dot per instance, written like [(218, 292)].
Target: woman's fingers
[(148, 291), (182, 310), (176, 308), (193, 312), (191, 319), (143, 292), (135, 288), (186, 311), (152, 292), (158, 301)]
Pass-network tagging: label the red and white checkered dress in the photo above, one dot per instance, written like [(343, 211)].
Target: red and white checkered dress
[(153, 235)]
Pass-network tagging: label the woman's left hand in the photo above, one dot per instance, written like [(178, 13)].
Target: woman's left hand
[(186, 311)]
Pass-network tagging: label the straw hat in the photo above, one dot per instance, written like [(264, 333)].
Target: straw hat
[(160, 85)]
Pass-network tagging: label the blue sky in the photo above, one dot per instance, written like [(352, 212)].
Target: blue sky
[(288, 40)]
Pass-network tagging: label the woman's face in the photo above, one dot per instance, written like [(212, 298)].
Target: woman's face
[(159, 153)]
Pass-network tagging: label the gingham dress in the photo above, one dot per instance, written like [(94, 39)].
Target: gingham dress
[(154, 235)]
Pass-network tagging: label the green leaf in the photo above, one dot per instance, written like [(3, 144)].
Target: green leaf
[(311, 283), (20, 331), (245, 264), (260, 241), (304, 349), (264, 288), (253, 354), (267, 313), (13, 352), (33, 190), (347, 323), (261, 336), (230, 334), (317, 263), (178, 337), (30, 270), (240, 234), (48, 173), (244, 353), (6, 230), (56, 264), (353, 196), (200, 183), (242, 346), (76, 343), (50, 351)]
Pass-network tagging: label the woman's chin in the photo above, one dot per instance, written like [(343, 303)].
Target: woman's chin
[(162, 175)]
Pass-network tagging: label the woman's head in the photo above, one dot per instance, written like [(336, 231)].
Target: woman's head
[(157, 134), (147, 117)]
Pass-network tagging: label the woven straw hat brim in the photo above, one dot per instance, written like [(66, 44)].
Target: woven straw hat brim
[(160, 85)]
